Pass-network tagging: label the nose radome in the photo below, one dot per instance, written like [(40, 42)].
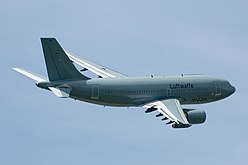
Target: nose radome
[(233, 89)]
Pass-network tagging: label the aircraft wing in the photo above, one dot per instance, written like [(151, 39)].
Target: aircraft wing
[(95, 68), (170, 109)]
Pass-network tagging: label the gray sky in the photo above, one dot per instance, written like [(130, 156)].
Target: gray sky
[(137, 38)]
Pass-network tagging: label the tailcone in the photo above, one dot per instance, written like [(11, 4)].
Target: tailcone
[(43, 85)]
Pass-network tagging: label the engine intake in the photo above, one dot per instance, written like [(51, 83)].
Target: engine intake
[(195, 116)]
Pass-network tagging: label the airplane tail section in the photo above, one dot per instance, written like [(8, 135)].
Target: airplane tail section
[(34, 76), (59, 66)]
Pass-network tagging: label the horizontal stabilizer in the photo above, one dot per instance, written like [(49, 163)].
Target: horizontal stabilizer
[(62, 92), (31, 75)]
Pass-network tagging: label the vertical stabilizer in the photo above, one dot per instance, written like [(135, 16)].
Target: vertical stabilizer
[(59, 66)]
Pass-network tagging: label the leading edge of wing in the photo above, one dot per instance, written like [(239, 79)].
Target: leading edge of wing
[(171, 109), (93, 67)]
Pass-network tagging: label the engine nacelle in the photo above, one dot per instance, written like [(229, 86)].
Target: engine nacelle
[(195, 116)]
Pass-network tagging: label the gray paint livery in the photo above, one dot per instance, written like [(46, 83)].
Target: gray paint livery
[(138, 91), (162, 94)]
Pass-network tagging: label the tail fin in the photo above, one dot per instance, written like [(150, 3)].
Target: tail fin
[(59, 66)]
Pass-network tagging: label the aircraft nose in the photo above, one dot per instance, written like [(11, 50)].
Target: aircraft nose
[(229, 89), (233, 89)]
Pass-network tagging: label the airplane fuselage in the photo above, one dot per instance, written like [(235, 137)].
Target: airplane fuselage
[(162, 94), (137, 91)]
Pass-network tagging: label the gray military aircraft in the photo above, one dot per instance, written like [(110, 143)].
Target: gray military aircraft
[(162, 94)]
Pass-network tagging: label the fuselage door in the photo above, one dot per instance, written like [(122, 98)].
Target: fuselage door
[(95, 92), (217, 88)]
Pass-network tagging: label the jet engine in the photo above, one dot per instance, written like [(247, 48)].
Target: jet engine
[(195, 116)]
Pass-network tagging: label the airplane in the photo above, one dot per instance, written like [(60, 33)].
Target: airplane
[(163, 94)]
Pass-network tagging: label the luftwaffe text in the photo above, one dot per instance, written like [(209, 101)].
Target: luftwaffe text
[(181, 86)]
